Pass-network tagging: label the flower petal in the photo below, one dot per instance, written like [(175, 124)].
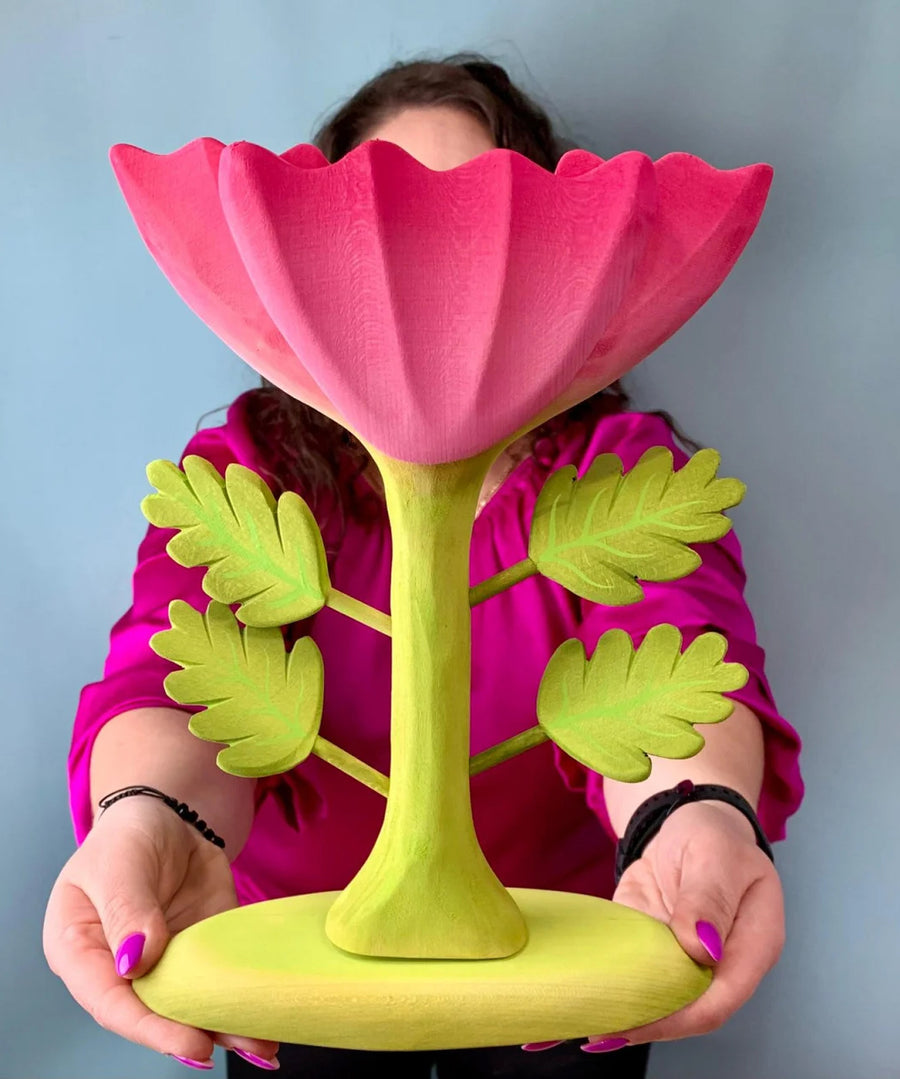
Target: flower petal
[(438, 310), (705, 216), (577, 163), (305, 156), (174, 200)]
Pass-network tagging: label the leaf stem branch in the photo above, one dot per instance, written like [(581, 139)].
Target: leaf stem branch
[(359, 611), (506, 578), (503, 751), (352, 766)]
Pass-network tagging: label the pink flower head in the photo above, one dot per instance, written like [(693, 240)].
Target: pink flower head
[(433, 313)]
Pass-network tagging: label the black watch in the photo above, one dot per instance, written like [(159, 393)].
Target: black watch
[(649, 816)]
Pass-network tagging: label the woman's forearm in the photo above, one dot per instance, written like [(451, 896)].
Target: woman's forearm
[(153, 746), (733, 756)]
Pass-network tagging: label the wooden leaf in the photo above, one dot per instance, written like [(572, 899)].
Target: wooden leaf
[(613, 710), (266, 556), (600, 534), (263, 702)]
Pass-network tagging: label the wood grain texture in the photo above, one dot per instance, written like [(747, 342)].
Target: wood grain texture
[(599, 535), (268, 971), (265, 555), (612, 711), (426, 889)]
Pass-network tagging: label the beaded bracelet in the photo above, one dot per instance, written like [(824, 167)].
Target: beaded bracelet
[(190, 816)]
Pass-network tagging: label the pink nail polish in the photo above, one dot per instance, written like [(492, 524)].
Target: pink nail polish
[(537, 1047), (203, 1065), (709, 937), (259, 1062), (607, 1045), (129, 953)]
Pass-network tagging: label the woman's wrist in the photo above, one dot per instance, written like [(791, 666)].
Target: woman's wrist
[(145, 814), (709, 804), (181, 809), (716, 814), (153, 746)]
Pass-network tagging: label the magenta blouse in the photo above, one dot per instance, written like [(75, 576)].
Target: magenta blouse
[(540, 817)]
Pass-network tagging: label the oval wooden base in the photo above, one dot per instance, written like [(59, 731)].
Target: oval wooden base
[(269, 971)]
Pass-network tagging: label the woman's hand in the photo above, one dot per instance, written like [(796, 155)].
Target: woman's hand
[(141, 875), (704, 876)]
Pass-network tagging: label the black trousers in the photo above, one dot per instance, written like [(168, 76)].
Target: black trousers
[(565, 1061)]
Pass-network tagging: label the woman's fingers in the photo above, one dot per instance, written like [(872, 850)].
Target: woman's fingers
[(77, 951), (749, 951), (640, 890), (703, 918), (704, 876), (263, 1057)]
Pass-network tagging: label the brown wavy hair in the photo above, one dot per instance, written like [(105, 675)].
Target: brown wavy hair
[(306, 451)]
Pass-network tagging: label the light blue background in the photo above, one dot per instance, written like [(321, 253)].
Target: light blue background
[(791, 370)]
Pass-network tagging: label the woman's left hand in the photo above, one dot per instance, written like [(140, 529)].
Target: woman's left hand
[(704, 876)]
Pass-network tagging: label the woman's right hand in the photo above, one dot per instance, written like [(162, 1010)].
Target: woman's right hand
[(142, 872)]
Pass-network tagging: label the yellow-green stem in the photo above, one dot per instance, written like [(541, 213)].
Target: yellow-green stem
[(506, 578), (359, 611), (503, 751), (426, 890), (353, 766)]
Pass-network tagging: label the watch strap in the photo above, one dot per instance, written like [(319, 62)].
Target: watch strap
[(651, 814)]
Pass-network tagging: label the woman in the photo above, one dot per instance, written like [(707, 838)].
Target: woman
[(141, 874)]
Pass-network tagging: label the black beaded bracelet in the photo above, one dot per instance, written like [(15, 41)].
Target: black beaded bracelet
[(190, 816), (651, 814)]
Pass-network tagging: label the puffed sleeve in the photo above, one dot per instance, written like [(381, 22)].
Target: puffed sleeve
[(710, 598), (133, 674)]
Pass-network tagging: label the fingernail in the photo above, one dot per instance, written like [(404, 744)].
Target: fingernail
[(204, 1065), (251, 1058), (709, 937), (536, 1047), (607, 1045), (129, 954)]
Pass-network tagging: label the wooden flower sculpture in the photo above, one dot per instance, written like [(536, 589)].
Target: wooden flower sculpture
[(439, 316)]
